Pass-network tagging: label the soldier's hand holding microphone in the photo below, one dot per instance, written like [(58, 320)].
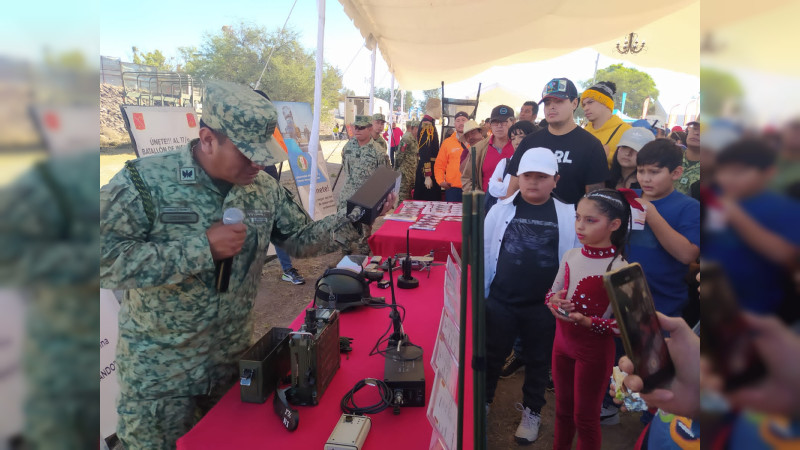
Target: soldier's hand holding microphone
[(226, 240)]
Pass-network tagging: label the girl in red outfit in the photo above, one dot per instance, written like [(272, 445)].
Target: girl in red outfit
[(583, 350)]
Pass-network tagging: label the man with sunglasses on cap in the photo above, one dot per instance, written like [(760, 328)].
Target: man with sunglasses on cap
[(581, 159), (489, 152), (360, 157), (162, 241)]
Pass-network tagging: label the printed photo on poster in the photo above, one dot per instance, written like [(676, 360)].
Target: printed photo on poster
[(294, 121)]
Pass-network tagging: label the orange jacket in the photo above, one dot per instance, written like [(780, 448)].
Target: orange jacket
[(448, 161)]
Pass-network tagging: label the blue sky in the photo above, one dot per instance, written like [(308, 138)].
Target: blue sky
[(123, 27), (110, 28)]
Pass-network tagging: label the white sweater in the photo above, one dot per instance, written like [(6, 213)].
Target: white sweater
[(494, 228)]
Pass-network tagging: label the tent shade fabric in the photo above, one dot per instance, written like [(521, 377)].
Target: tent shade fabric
[(413, 35)]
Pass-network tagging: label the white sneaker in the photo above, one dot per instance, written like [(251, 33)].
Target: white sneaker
[(609, 415), (528, 429)]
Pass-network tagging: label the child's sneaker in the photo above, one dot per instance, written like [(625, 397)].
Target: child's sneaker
[(528, 429), (609, 415)]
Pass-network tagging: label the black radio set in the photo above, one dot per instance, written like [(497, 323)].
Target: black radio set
[(305, 361), (314, 353)]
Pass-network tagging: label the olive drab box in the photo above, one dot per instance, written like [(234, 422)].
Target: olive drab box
[(263, 365)]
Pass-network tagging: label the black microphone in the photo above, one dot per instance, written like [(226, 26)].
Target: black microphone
[(222, 273)]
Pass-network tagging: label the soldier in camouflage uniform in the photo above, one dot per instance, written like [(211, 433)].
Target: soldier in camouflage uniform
[(378, 124), (405, 160), (359, 161), (48, 248), (179, 338)]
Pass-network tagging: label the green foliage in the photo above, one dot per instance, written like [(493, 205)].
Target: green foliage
[(346, 92), (154, 58), (385, 94), (639, 86), (70, 60), (240, 53), (721, 92)]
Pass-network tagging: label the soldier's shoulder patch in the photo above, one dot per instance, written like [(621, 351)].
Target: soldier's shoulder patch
[(187, 174)]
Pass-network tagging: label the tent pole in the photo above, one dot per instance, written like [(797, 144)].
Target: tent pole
[(466, 234), (372, 81), (391, 120), (313, 142), (391, 104)]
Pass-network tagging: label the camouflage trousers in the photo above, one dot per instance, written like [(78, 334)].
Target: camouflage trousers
[(60, 349), (157, 423), (167, 388)]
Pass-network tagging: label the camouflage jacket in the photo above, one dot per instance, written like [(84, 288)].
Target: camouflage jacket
[(405, 162), (172, 311), (382, 149), (359, 163)]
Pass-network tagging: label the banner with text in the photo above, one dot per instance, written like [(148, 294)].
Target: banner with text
[(12, 381), (294, 122), (109, 386), (160, 129)]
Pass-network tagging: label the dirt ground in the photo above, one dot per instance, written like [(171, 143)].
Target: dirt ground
[(279, 302), (504, 418)]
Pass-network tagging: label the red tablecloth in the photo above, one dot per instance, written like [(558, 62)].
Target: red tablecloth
[(234, 424), (390, 239)]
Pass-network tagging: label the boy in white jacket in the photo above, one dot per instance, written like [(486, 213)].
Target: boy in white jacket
[(525, 237)]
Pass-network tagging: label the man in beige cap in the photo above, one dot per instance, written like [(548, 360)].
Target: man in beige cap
[(162, 239)]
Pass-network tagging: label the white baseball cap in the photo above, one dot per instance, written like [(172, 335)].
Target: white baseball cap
[(538, 159), (636, 138), (715, 138)]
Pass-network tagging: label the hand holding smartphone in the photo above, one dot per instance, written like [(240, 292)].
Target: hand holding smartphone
[(641, 332), (727, 339)]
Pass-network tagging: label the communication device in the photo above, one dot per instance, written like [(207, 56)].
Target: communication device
[(641, 332), (725, 337)]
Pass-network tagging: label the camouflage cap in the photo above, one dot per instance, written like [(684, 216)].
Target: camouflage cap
[(412, 123), (246, 117), (379, 116), (362, 121)]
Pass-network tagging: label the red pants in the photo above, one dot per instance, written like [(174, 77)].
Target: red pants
[(582, 364)]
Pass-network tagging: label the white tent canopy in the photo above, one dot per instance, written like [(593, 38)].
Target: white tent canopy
[(760, 38), (425, 42), (494, 95)]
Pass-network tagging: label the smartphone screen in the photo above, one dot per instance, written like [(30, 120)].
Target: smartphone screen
[(725, 337), (641, 333)]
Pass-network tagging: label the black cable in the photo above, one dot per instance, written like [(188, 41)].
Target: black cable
[(348, 403), (384, 338)]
